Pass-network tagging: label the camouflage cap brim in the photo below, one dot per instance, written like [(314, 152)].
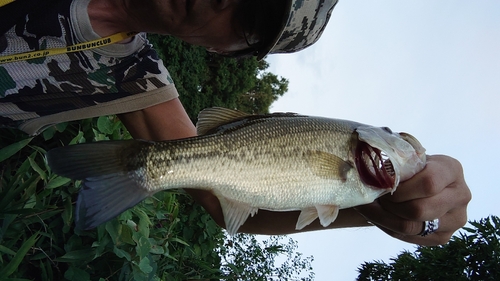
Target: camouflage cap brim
[(304, 25)]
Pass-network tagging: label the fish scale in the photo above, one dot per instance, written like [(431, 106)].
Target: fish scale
[(277, 162), (276, 148)]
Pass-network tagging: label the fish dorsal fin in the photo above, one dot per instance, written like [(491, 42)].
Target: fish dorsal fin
[(235, 213), (327, 165), (214, 117)]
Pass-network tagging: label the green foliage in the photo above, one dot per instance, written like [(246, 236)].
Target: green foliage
[(474, 254), (205, 80), (245, 258), (268, 88), (37, 235)]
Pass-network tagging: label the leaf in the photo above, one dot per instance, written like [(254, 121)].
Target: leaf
[(49, 133), (78, 255), (105, 125), (143, 247), (8, 197), (144, 265), (12, 149), (144, 221), (37, 168), (113, 228), (121, 253), (157, 250), (76, 274), (11, 267), (57, 182), (6, 250), (175, 239), (78, 138), (61, 127), (126, 236), (99, 136)]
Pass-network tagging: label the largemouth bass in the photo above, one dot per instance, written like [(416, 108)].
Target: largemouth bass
[(278, 162)]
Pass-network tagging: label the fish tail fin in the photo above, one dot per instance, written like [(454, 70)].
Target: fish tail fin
[(107, 190), (88, 160), (104, 197)]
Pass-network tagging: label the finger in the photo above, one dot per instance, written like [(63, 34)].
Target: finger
[(439, 172), (427, 208), (448, 224), (408, 230), (434, 239), (375, 214)]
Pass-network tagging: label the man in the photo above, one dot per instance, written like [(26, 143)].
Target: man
[(129, 80)]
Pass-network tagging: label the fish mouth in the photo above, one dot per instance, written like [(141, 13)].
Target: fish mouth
[(374, 166)]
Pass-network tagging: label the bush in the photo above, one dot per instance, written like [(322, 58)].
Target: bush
[(165, 237)]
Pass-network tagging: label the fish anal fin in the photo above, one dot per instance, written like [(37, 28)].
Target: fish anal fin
[(329, 166), (306, 217), (211, 118), (235, 213), (327, 214)]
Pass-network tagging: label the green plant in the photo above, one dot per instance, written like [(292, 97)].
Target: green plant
[(473, 254), (38, 239)]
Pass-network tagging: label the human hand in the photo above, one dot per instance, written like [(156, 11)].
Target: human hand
[(438, 191)]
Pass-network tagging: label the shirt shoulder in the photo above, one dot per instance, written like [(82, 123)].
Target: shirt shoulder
[(76, 80)]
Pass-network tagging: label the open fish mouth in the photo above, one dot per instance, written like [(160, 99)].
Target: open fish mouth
[(374, 166)]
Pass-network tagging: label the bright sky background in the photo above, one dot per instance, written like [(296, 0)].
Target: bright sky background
[(430, 68)]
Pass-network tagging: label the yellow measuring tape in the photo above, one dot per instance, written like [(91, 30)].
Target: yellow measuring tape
[(5, 2), (70, 49)]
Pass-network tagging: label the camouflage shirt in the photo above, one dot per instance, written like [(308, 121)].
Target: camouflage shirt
[(113, 79)]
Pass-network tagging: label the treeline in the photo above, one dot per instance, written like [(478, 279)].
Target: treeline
[(205, 80), (166, 237), (473, 254)]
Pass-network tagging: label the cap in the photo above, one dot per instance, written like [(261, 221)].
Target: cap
[(301, 27)]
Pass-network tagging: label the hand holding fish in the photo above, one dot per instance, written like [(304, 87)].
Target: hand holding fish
[(439, 191)]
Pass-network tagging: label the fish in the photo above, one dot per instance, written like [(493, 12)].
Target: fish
[(277, 162)]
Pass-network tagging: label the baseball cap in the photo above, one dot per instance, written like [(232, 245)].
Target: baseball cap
[(302, 25)]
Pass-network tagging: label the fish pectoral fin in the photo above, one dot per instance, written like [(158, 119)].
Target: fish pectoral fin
[(329, 166), (235, 213), (306, 217), (327, 214)]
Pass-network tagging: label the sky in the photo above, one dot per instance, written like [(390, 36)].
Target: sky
[(430, 68)]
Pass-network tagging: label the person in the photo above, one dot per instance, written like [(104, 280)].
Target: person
[(129, 80)]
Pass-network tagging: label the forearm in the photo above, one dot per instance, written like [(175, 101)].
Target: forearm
[(165, 121), (275, 223)]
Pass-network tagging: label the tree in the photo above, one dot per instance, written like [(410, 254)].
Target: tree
[(245, 258), (206, 80), (268, 88), (474, 254)]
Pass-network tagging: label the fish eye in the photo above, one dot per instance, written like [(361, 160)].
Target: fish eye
[(387, 129)]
